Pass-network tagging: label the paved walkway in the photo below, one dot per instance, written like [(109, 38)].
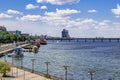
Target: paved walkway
[(8, 47), (20, 74)]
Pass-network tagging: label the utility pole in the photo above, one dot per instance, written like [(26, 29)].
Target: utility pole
[(66, 69), (5, 57), (21, 62), (12, 64), (91, 73), (47, 63), (33, 60)]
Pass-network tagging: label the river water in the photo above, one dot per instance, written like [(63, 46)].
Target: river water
[(102, 57)]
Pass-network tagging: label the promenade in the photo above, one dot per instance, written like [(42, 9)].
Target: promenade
[(6, 47), (9, 47), (20, 74), (17, 73)]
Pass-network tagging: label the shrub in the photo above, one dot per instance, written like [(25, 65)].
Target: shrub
[(4, 67)]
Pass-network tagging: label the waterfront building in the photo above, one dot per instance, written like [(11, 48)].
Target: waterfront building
[(18, 32), (2, 28), (15, 32), (65, 33), (25, 34)]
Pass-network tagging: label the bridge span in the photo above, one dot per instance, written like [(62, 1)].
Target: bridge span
[(86, 39)]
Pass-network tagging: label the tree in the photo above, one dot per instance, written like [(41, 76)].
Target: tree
[(4, 67), (7, 37)]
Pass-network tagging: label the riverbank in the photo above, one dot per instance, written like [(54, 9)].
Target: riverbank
[(9, 47), (20, 74)]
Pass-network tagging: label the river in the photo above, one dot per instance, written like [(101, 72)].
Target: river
[(81, 57)]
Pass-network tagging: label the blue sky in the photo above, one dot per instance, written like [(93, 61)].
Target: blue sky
[(83, 18)]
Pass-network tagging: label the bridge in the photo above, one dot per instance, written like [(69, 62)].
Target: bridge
[(85, 39)]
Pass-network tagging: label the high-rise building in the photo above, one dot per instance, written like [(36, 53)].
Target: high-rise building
[(15, 32), (18, 32), (2, 28), (65, 33)]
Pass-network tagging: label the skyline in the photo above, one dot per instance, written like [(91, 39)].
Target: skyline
[(83, 18)]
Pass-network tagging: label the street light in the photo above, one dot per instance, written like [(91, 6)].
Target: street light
[(47, 63), (16, 70), (12, 63), (66, 68), (24, 75), (21, 62), (22, 65), (91, 73), (5, 57), (33, 60)]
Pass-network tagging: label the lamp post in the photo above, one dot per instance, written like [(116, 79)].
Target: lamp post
[(47, 63), (91, 73), (21, 62), (66, 68), (23, 73), (33, 60), (23, 69), (12, 64), (5, 57), (17, 70)]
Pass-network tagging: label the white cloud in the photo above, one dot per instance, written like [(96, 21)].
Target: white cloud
[(50, 16), (61, 12), (10, 11), (60, 17), (31, 6), (17, 18), (43, 7), (117, 16), (3, 15), (31, 18), (104, 23), (85, 27), (58, 2), (116, 11), (53, 26), (117, 24), (66, 21), (92, 11), (86, 21)]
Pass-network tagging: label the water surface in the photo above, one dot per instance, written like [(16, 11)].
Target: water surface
[(102, 57)]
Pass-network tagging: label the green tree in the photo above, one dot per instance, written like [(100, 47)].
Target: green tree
[(7, 37), (4, 68)]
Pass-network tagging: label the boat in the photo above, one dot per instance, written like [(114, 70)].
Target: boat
[(17, 52), (43, 41), (37, 44), (34, 49)]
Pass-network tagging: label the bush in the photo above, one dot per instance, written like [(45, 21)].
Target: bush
[(4, 67)]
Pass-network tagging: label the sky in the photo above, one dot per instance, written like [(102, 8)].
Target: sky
[(82, 18)]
